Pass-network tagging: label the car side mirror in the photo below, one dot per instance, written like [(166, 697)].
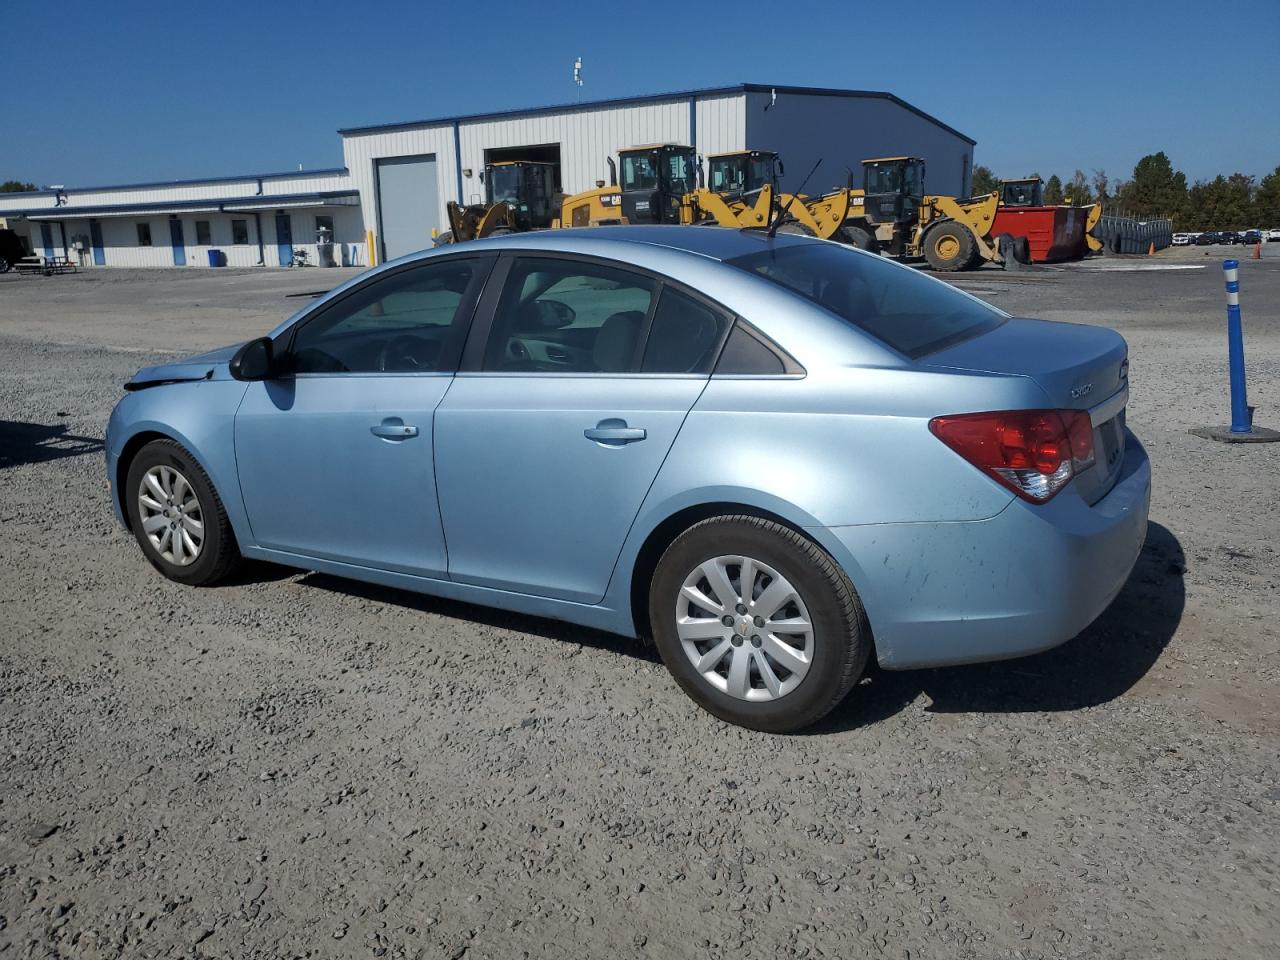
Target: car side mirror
[(255, 360)]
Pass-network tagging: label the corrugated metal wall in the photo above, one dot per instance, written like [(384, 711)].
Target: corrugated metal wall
[(360, 150), (722, 124), (844, 131), (586, 137)]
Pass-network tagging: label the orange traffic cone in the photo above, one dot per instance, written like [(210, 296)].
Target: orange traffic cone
[(1257, 250), (1151, 251)]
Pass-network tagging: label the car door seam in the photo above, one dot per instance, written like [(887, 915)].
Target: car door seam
[(649, 490)]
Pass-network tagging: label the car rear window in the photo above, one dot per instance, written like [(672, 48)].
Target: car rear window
[(912, 313)]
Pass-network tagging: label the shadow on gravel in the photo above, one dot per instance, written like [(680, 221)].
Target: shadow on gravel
[(1110, 656), (22, 443), (489, 616)]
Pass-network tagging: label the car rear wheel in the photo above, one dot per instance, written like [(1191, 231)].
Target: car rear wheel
[(177, 516), (757, 623)]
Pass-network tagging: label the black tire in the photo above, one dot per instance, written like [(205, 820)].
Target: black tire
[(218, 554), (4, 265), (949, 247), (841, 636), (1022, 250), (857, 237)]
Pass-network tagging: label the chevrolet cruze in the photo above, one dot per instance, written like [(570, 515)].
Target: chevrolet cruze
[(774, 456)]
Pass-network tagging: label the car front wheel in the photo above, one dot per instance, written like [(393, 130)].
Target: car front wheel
[(757, 623), (177, 517)]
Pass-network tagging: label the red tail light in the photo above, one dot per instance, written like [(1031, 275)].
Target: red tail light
[(1034, 453)]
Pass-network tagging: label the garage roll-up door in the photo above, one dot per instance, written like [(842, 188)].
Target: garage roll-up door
[(407, 204)]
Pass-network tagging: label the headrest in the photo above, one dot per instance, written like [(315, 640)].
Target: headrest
[(616, 341)]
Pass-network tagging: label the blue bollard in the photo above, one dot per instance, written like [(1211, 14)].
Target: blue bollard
[(1241, 415)]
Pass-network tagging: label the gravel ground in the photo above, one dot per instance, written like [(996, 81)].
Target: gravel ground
[(295, 765)]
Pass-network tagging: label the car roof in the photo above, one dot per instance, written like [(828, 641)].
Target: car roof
[(716, 243)]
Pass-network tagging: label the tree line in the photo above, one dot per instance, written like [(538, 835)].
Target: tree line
[(1157, 190)]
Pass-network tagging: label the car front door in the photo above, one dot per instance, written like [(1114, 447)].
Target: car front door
[(561, 416), (334, 455)]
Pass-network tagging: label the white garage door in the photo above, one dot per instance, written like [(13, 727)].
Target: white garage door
[(407, 203)]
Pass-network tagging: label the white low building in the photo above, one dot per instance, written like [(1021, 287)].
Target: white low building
[(398, 177), (256, 220)]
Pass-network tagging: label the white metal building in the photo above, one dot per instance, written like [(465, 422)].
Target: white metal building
[(246, 221), (398, 177), (419, 166)]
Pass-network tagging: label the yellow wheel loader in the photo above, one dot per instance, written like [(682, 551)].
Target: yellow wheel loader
[(656, 183), (951, 234), (740, 193), (660, 183), (519, 195)]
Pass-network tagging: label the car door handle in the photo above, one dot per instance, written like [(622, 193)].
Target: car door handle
[(614, 432), (393, 428)]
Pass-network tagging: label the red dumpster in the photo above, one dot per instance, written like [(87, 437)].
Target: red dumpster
[(1053, 233)]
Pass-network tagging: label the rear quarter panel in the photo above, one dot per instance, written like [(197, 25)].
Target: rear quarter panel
[(839, 446)]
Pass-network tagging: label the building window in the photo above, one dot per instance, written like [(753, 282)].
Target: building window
[(326, 224), (239, 231), (144, 234), (204, 236)]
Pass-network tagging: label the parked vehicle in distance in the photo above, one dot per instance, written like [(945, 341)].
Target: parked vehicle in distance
[(775, 456), (12, 250), (1182, 239), (1251, 237), (1273, 234), (1207, 239), (1230, 237)]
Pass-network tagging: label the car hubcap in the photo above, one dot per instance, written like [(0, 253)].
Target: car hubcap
[(744, 628), (170, 513)]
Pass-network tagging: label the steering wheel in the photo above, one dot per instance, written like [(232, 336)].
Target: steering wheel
[(405, 354)]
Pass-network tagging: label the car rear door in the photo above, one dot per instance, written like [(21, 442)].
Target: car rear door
[(578, 375), (335, 455)]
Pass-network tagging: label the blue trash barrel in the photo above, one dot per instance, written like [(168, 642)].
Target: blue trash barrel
[(215, 258)]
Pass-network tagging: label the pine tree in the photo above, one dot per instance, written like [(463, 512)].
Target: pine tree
[(1053, 191)]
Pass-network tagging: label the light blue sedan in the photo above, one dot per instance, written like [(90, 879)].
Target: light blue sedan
[(773, 456)]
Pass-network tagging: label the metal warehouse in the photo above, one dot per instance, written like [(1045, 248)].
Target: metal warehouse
[(389, 198)]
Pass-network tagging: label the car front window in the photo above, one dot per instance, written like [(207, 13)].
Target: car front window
[(399, 323), (901, 308)]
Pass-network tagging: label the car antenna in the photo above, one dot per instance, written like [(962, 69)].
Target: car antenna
[(773, 227)]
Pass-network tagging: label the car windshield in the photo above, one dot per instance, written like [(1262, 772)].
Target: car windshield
[(901, 308)]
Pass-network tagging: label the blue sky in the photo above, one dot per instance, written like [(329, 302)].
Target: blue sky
[(126, 91)]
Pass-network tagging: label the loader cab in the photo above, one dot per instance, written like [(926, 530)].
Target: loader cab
[(654, 181), (742, 172), (528, 187), (1022, 193), (893, 188)]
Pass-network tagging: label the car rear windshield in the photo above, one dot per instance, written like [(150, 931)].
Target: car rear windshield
[(908, 311)]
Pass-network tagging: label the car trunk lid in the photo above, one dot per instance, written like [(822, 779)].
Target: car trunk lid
[(1079, 367)]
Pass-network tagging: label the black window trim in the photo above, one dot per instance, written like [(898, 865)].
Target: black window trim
[(472, 362), (791, 367), (451, 351)]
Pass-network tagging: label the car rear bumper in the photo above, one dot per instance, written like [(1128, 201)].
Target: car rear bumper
[(1028, 579)]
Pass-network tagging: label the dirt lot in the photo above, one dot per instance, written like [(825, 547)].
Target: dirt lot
[(293, 765)]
